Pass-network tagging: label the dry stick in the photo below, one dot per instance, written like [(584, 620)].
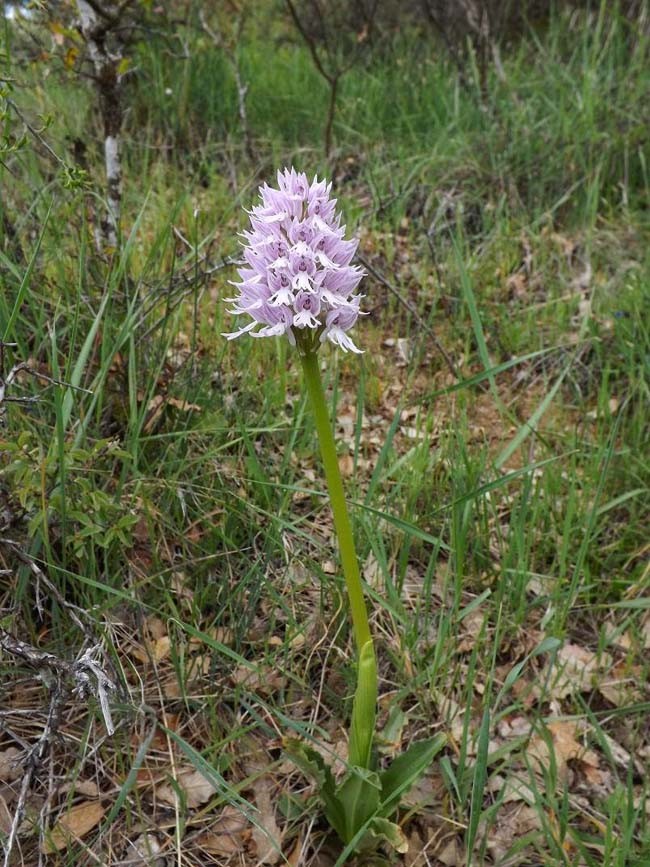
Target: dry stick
[(84, 667), (32, 655), (406, 303), (34, 759), (332, 79), (23, 367), (46, 809), (186, 282), (242, 86), (41, 578), (66, 673), (86, 675)]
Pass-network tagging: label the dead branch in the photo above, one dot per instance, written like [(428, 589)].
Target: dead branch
[(180, 286), (33, 761), (412, 310), (81, 678), (23, 367), (78, 679), (41, 578), (229, 49)]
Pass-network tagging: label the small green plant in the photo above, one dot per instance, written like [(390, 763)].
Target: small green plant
[(63, 497)]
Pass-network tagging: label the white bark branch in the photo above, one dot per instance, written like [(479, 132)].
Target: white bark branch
[(94, 29)]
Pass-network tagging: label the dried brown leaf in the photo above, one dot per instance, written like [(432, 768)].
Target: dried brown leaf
[(196, 788), (452, 854), (183, 405), (227, 835), (265, 679), (472, 627), (346, 465), (89, 788), (511, 789), (293, 858), (620, 687), (154, 627), (142, 852), (72, 825), (563, 747), (266, 834), (10, 765), (575, 670), (512, 822)]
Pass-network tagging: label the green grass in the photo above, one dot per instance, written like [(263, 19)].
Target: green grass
[(174, 489)]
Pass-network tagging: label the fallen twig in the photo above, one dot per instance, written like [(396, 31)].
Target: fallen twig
[(41, 578), (84, 676), (34, 758), (79, 678)]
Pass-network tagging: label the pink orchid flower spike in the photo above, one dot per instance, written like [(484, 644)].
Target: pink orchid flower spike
[(298, 279)]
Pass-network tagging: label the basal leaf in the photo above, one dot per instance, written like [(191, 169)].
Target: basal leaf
[(380, 830), (358, 797), (310, 762), (405, 770)]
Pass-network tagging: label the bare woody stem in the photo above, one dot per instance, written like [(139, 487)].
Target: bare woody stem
[(95, 23), (349, 561)]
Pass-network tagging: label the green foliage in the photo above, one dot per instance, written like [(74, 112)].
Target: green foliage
[(67, 498), (359, 807), (556, 122), (362, 725)]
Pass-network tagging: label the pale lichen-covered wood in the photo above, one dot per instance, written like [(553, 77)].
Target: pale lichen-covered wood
[(94, 29)]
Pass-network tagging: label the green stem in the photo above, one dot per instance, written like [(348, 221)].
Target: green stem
[(342, 524), (362, 725)]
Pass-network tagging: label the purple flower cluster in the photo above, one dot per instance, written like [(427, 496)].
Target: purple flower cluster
[(298, 279)]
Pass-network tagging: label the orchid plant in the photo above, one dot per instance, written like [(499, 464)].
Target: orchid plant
[(299, 281)]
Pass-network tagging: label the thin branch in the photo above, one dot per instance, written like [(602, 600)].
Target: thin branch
[(82, 677), (79, 678), (23, 367), (33, 762), (36, 134), (412, 310), (311, 44), (41, 578)]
